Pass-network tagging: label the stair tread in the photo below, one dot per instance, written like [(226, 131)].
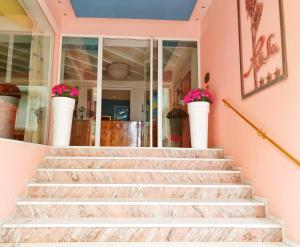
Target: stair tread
[(133, 201), (135, 170), (171, 185), (152, 244), (54, 148), (133, 158), (142, 222)]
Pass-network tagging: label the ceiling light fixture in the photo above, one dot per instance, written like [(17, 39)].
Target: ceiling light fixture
[(118, 71)]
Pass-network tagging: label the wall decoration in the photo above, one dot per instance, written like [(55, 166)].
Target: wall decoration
[(262, 44), (207, 78), (121, 113), (205, 84)]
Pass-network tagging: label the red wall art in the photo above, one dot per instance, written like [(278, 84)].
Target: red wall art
[(262, 44)]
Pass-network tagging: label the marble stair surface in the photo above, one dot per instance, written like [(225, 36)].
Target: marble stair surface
[(132, 196), (152, 244), (135, 208)]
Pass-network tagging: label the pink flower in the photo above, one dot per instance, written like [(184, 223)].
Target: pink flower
[(74, 92), (198, 95), (65, 90)]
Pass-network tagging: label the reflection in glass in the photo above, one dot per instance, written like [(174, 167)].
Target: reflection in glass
[(25, 52), (79, 62), (126, 93), (180, 75)]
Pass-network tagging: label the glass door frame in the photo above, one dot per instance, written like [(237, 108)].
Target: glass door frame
[(99, 83), (160, 81), (160, 77), (151, 82)]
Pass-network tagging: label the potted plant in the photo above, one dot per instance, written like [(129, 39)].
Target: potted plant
[(63, 104), (176, 117), (9, 101), (198, 101)]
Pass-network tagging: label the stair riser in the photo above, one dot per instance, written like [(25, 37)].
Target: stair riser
[(137, 164), (137, 177), (138, 152), (128, 211), (167, 234), (141, 192)]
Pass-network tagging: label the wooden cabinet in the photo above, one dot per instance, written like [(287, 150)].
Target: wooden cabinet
[(121, 133), (113, 133), (81, 134)]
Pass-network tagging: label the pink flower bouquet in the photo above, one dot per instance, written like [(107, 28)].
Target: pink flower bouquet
[(65, 90), (198, 95)]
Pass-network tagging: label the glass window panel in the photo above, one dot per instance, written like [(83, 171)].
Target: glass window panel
[(25, 57), (79, 67), (21, 58), (180, 75), (4, 41)]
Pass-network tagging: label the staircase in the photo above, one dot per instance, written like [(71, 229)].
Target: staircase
[(125, 196)]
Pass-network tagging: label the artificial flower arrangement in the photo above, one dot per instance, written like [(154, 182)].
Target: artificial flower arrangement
[(65, 90), (198, 101), (197, 95), (63, 105)]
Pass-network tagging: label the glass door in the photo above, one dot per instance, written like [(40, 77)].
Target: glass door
[(178, 74), (126, 93), (79, 67), (131, 90)]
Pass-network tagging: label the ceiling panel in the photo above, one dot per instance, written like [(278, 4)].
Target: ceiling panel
[(135, 9)]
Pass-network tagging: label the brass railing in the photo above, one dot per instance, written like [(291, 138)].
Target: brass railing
[(262, 134)]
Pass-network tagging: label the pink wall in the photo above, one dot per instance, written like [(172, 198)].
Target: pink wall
[(276, 110), (19, 161), (133, 28)]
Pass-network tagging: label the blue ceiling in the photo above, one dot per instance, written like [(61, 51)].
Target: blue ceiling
[(135, 9)]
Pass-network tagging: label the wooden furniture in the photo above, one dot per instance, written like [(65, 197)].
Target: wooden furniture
[(113, 133), (121, 133), (81, 134)]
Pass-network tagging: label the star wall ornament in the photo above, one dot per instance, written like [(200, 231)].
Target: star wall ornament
[(269, 77), (277, 73), (262, 81)]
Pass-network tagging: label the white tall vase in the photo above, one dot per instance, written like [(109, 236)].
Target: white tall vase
[(62, 109), (198, 116)]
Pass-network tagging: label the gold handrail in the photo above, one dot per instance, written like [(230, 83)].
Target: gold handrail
[(262, 134)]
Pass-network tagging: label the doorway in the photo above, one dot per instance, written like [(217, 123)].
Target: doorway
[(126, 69), (129, 89)]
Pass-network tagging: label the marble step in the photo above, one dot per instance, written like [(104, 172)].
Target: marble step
[(187, 191), (140, 230), (136, 163), (137, 152), (135, 208), (137, 176), (150, 244)]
